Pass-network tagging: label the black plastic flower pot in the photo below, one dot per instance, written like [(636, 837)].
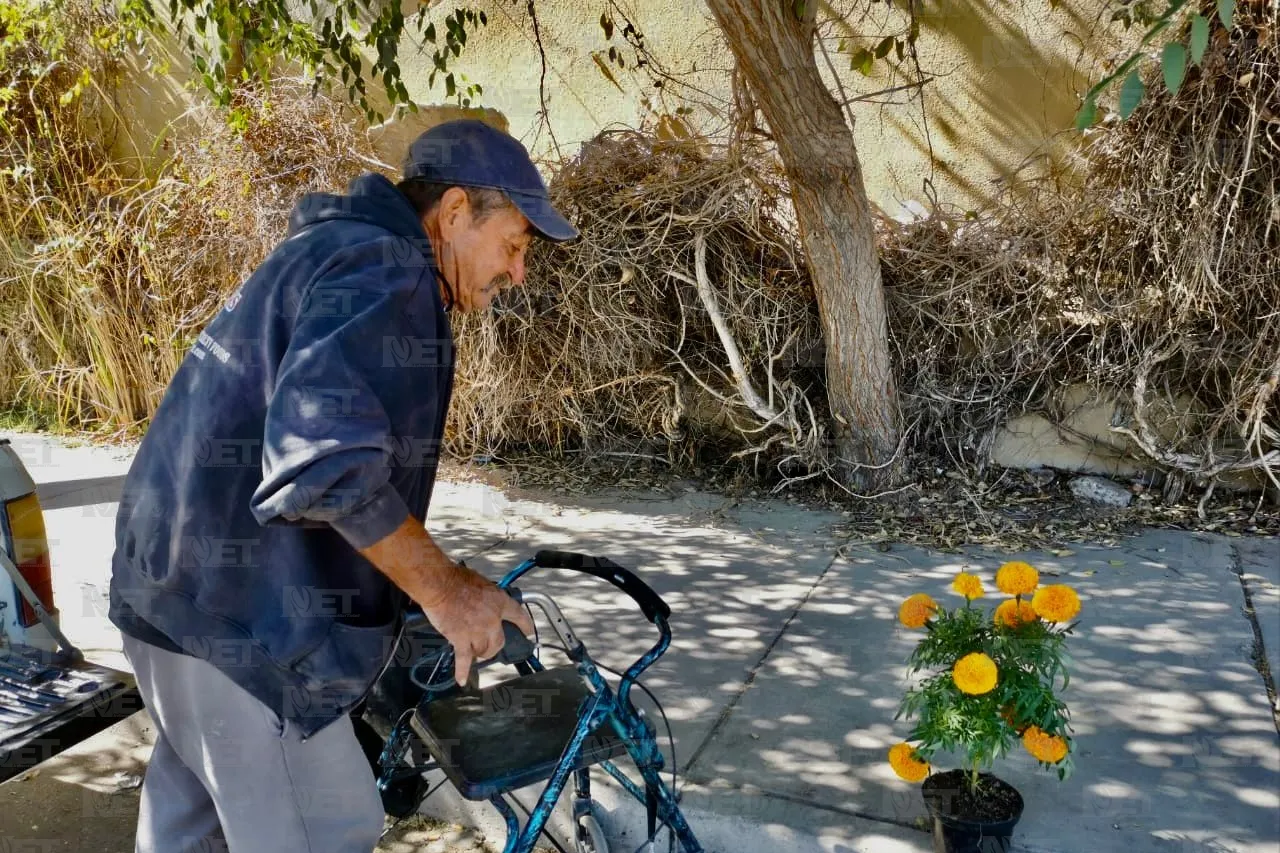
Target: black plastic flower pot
[(968, 823)]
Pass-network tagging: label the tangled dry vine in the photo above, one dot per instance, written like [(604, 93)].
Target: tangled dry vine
[(683, 324)]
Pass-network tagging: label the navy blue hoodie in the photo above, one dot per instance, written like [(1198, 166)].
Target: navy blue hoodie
[(303, 424)]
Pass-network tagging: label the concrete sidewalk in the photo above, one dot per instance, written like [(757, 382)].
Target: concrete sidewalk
[(788, 663)]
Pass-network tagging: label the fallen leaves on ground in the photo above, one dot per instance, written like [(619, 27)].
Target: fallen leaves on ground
[(1012, 511)]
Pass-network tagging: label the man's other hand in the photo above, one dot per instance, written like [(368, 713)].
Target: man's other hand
[(467, 608), (470, 617)]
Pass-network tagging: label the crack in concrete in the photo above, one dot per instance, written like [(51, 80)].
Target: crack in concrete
[(1259, 650), (725, 714), (814, 804)]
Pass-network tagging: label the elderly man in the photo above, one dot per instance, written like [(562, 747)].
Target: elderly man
[(271, 533)]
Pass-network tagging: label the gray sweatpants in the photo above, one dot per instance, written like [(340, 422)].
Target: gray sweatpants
[(225, 775)]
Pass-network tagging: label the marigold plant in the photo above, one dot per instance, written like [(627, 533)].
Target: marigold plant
[(1017, 578), (1012, 613), (975, 674), (916, 610), (1056, 603), (906, 763), (992, 678), (970, 586), (1047, 748)]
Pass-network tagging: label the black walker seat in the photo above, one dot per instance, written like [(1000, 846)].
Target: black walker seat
[(512, 734)]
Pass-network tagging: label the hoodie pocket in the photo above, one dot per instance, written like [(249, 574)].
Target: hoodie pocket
[(348, 659)]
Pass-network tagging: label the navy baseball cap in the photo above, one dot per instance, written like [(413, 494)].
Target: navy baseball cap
[(470, 153)]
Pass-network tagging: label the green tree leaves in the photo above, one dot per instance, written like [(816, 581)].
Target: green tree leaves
[(1226, 12), (863, 58), (1173, 62), (1131, 93), (1199, 37), (352, 41), (1174, 56), (1087, 115), (456, 28)]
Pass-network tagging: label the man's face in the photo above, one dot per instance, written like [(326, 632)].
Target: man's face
[(484, 256)]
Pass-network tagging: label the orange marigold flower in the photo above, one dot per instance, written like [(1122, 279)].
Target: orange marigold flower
[(905, 762), (1017, 578), (1045, 747), (970, 586), (1013, 613), (916, 610), (1056, 603), (975, 674)]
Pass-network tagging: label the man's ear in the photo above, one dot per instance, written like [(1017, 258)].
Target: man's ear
[(454, 207)]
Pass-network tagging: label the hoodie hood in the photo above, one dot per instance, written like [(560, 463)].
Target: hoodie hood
[(370, 198)]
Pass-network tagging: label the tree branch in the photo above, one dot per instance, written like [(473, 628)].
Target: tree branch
[(1187, 462), (868, 96), (542, 79), (708, 296), (845, 101)]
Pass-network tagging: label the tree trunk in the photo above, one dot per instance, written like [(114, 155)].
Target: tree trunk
[(774, 49)]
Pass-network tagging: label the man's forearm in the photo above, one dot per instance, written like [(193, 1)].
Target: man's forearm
[(413, 561)]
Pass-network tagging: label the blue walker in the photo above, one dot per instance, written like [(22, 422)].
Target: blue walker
[(545, 724)]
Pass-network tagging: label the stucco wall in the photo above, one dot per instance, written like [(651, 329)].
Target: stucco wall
[(1005, 82), (153, 101)]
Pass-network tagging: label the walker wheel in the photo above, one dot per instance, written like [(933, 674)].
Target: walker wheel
[(590, 836)]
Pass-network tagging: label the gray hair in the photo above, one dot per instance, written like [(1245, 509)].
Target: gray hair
[(424, 195)]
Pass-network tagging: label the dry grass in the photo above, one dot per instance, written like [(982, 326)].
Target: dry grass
[(106, 279)]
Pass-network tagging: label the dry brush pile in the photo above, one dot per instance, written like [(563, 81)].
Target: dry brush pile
[(1156, 279), (682, 327)]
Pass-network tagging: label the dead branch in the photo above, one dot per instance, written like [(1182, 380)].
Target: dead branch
[(708, 296)]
